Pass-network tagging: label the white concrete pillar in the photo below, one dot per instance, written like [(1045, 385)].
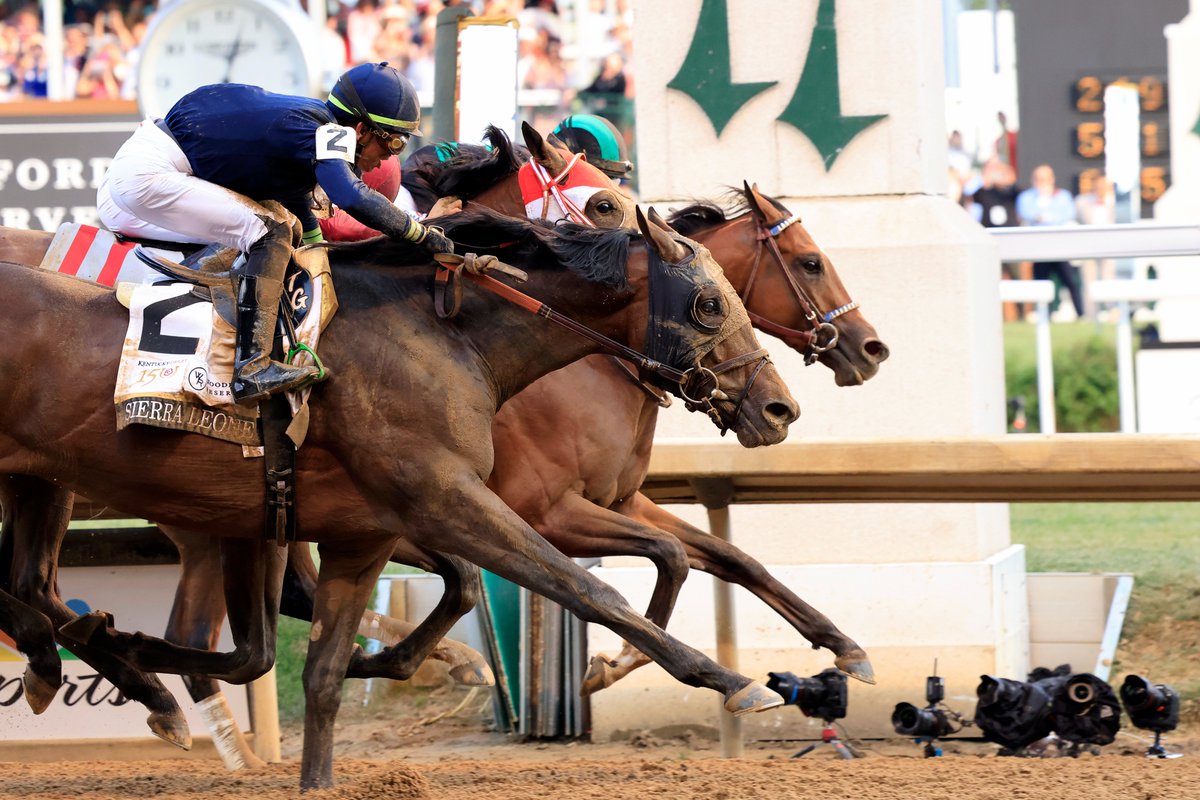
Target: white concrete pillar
[(1180, 319), (836, 108)]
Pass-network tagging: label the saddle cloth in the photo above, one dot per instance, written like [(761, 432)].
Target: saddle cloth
[(95, 254), (176, 364)]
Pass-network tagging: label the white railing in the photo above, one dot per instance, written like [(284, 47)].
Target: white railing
[(1073, 242)]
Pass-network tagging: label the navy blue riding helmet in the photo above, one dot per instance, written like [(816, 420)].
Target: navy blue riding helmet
[(599, 140), (379, 96)]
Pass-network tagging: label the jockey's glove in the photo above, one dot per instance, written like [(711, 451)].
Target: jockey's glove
[(435, 241)]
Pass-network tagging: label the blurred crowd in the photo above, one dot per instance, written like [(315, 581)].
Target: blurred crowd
[(577, 52), (989, 186)]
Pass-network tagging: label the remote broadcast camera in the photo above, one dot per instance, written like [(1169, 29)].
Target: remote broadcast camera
[(1150, 706), (930, 722), (823, 695)]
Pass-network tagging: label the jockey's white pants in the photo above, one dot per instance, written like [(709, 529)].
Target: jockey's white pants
[(150, 192)]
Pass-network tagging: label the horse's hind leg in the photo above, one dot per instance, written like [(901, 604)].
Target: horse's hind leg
[(582, 529), (195, 621), (30, 630), (253, 574), (410, 645), (33, 634), (37, 533), (726, 562)]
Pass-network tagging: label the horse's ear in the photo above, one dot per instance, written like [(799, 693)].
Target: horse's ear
[(659, 221), (550, 159), (556, 142), (656, 233), (755, 201)]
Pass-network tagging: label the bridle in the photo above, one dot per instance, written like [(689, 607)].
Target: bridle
[(551, 186), (699, 386), (823, 334)]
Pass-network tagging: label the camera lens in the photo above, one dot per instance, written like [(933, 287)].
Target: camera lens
[(908, 720), (1081, 692)]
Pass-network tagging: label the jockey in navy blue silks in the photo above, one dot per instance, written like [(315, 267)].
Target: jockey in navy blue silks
[(196, 176)]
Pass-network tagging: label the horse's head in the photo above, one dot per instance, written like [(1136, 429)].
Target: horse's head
[(792, 286), (558, 184), (698, 326)]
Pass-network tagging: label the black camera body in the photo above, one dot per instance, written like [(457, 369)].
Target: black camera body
[(823, 695), (1152, 707), (930, 722)]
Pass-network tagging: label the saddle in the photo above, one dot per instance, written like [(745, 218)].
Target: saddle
[(177, 361)]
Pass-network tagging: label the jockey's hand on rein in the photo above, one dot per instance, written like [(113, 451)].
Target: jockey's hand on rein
[(436, 242)]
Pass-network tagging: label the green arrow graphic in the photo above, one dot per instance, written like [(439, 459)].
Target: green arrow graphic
[(1196, 127), (816, 107), (704, 75)]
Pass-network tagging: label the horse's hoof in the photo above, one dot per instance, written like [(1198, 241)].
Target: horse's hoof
[(39, 692), (473, 675), (81, 629), (601, 674), (171, 726), (856, 665), (752, 697)]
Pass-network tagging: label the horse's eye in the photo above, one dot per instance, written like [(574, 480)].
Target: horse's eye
[(811, 265), (605, 207), (708, 312)]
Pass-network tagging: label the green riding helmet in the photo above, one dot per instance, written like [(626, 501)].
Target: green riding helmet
[(599, 140)]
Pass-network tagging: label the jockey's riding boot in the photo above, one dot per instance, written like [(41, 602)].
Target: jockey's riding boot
[(255, 375)]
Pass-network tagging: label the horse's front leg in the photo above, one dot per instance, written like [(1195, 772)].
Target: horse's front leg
[(410, 645), (724, 561), (347, 576), (39, 523), (253, 573), (582, 529), (471, 521), (196, 619)]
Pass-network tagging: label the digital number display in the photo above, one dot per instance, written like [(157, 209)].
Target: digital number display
[(1087, 133)]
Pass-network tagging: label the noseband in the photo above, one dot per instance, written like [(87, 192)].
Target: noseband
[(823, 334), (675, 294), (705, 384)]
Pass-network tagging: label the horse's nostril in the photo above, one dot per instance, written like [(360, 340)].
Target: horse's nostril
[(782, 412), (876, 349)]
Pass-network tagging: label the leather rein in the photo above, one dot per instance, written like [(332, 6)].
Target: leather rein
[(699, 385), (823, 335)]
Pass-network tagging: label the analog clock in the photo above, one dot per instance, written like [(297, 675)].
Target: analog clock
[(192, 43)]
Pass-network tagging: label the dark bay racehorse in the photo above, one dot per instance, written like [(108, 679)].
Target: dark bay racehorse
[(579, 487), (399, 443), (544, 479)]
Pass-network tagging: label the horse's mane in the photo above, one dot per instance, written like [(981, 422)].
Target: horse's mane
[(702, 215), (470, 171), (595, 254)]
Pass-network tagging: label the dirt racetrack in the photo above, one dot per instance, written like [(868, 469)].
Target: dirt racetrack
[(398, 757)]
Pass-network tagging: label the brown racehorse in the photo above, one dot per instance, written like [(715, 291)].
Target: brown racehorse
[(400, 442), (578, 488), (606, 208), (557, 508)]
